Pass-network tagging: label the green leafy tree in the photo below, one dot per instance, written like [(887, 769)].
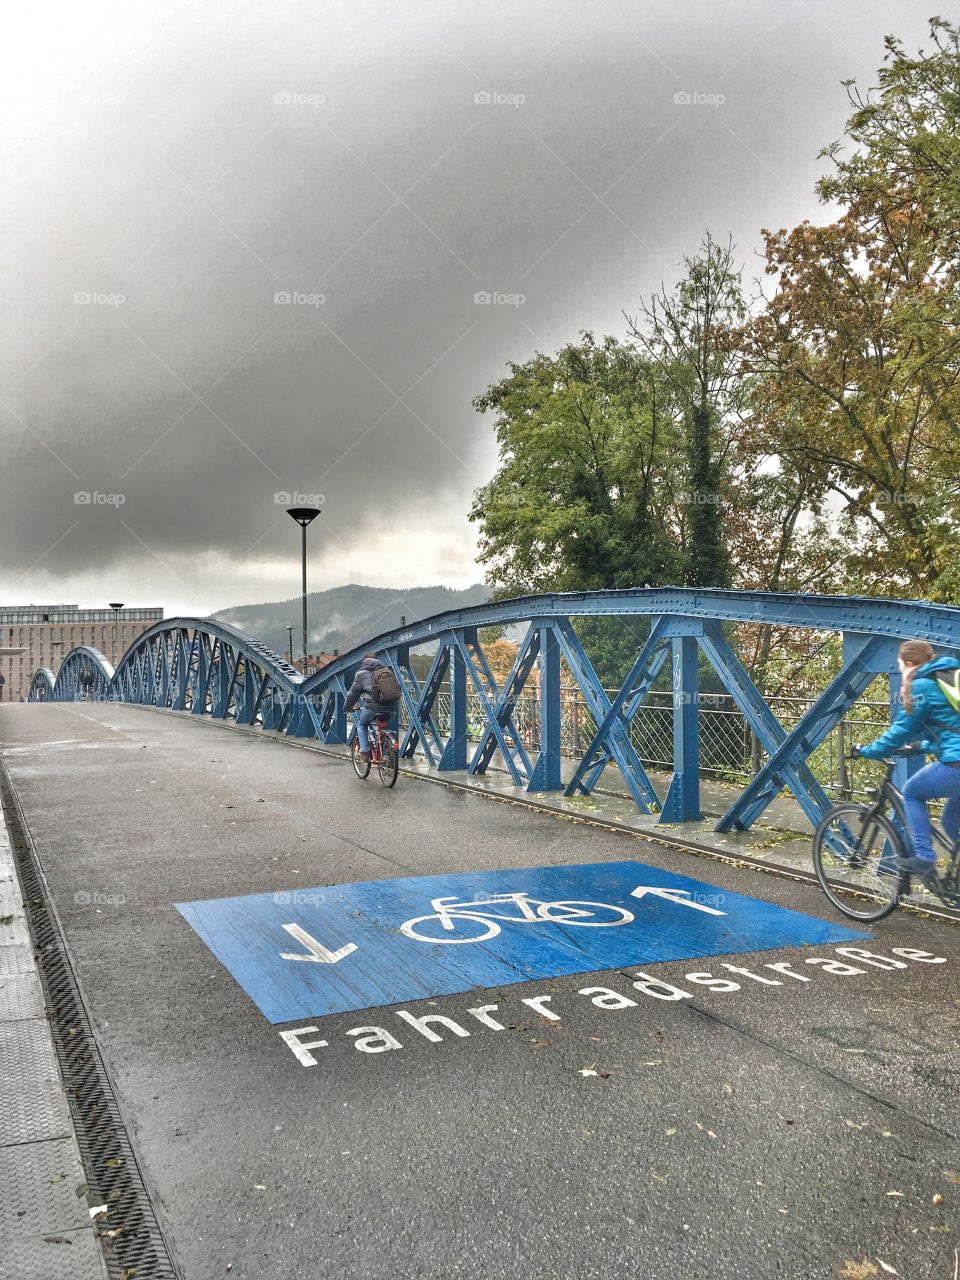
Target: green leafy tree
[(857, 351), (682, 333), (584, 497)]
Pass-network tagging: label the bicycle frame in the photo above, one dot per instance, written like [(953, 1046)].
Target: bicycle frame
[(444, 907), (377, 730), (890, 797)]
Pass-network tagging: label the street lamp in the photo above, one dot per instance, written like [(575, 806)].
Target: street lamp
[(290, 635), (116, 607), (303, 517)]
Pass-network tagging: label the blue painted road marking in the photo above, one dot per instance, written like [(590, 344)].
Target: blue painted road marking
[(307, 953)]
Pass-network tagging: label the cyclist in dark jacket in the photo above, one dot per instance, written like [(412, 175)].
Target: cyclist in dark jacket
[(928, 714), (364, 690)]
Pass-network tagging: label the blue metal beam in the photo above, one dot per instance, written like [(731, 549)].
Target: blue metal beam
[(212, 668), (682, 802), (599, 753), (546, 770)]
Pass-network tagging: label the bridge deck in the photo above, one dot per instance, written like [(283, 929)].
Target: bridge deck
[(693, 1130)]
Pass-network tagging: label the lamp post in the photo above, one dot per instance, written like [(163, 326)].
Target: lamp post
[(116, 606), (290, 639), (303, 517)]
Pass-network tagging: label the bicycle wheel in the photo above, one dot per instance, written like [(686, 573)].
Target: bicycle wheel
[(361, 767), (584, 913), (477, 928), (388, 764), (852, 849)]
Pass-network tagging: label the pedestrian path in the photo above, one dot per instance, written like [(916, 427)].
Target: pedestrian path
[(46, 1230)]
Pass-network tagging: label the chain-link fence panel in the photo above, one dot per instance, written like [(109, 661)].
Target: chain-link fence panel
[(729, 751)]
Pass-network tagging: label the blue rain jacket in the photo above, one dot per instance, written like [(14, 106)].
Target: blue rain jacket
[(932, 718)]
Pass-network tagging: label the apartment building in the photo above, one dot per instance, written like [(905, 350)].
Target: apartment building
[(44, 634)]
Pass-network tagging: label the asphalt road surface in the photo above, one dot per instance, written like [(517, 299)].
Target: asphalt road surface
[(750, 1122)]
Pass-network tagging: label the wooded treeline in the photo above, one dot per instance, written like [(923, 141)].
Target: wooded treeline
[(800, 433)]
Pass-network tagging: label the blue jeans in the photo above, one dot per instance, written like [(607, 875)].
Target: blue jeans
[(933, 782), (365, 719)]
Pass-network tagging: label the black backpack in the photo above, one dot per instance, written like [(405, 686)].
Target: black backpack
[(386, 686)]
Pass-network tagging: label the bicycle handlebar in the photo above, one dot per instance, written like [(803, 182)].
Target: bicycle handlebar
[(901, 753)]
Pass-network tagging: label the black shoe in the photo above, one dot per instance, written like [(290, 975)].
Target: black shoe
[(925, 868)]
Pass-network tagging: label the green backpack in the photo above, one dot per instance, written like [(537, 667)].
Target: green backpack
[(949, 685)]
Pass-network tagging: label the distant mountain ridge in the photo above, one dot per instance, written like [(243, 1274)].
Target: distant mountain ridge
[(344, 617)]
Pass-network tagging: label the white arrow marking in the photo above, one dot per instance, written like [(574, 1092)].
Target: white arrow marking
[(680, 896), (319, 954)]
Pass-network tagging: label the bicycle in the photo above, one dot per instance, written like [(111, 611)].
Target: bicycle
[(853, 847), (384, 752), (531, 911)]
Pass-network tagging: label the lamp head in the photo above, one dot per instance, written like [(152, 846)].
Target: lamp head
[(303, 515)]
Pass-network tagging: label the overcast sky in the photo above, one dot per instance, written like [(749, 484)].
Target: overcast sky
[(171, 171)]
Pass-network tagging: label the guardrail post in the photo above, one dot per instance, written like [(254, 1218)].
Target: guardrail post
[(682, 803)]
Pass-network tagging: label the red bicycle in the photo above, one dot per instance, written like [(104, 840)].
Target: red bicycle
[(384, 752)]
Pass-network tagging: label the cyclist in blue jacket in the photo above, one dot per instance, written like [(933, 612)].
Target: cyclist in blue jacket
[(931, 711)]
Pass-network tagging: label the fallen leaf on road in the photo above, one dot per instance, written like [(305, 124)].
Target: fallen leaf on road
[(894, 1193), (671, 1132), (6, 919), (858, 1270), (891, 1271), (853, 1125), (952, 1177), (937, 1199)]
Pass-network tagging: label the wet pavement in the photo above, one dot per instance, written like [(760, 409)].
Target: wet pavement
[(790, 1110)]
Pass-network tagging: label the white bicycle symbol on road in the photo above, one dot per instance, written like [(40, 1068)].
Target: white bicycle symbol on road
[(481, 924)]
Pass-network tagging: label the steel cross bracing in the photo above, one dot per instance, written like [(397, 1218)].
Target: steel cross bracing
[(210, 668)]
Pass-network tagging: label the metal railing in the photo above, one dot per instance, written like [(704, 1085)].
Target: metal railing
[(729, 750), (551, 723)]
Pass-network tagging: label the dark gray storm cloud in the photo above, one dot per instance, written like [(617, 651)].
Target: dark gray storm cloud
[(248, 248)]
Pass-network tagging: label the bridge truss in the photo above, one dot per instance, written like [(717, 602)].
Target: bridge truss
[(208, 668)]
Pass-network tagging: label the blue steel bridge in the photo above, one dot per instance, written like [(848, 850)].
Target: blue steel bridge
[(208, 668)]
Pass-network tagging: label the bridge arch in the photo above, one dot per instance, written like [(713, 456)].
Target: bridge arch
[(205, 667), (42, 685), (85, 673)]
